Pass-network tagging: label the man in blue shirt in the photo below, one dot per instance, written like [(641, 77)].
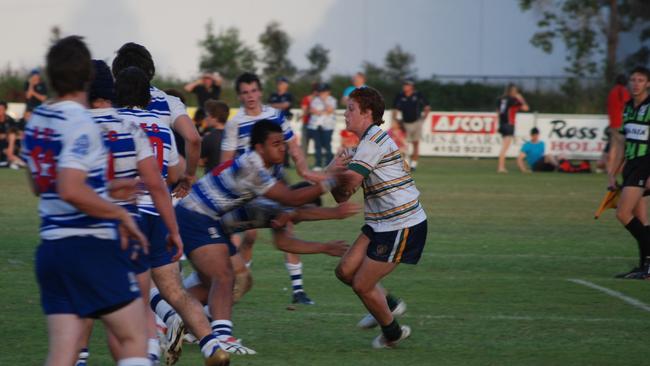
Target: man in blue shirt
[(533, 153), (358, 81)]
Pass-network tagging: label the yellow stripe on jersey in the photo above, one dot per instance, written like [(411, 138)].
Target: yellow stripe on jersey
[(394, 183), (377, 137), (397, 211), (402, 245)]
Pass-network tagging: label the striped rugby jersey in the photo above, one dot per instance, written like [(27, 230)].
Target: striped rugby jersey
[(636, 129), (165, 106), (230, 185), (63, 135), (127, 145), (391, 199), (163, 145), (237, 133)]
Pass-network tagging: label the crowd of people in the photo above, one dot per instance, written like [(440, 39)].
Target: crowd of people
[(105, 152)]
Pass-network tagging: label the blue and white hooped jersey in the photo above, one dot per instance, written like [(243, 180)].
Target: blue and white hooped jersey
[(127, 145), (163, 145), (229, 186), (165, 106), (63, 135), (237, 133)]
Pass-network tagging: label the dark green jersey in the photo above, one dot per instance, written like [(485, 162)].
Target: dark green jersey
[(636, 129)]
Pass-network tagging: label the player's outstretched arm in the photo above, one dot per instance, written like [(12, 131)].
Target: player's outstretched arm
[(150, 175), (342, 211), (281, 193), (301, 162), (283, 240)]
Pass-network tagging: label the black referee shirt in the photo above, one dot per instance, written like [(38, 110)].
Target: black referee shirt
[(411, 106)]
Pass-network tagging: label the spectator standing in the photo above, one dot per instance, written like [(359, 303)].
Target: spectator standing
[(321, 124), (35, 90), (532, 153), (7, 124), (208, 86), (282, 99), (305, 104), (507, 107), (358, 81), (414, 108), (216, 117)]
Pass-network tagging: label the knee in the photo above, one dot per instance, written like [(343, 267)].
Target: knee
[(343, 275), (361, 287), (623, 216)]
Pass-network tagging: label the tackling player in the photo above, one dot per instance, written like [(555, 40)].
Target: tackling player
[(227, 187), (396, 224), (81, 270)]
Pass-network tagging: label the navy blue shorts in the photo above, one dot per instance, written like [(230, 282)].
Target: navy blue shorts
[(399, 246), (85, 276), (154, 229), (141, 262), (198, 230)]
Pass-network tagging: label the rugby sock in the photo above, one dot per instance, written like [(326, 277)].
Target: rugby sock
[(222, 327), (208, 344), (392, 301), (191, 280), (392, 331), (134, 361), (249, 263), (153, 349), (295, 273), (642, 236), (160, 306), (83, 357), (414, 164)]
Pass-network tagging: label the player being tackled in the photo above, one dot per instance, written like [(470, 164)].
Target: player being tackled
[(396, 224)]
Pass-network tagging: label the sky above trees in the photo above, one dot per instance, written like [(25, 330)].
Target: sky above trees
[(466, 37)]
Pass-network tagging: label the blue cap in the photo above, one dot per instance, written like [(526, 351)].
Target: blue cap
[(283, 79), (35, 71)]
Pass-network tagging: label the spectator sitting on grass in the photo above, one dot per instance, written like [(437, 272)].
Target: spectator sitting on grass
[(533, 153)]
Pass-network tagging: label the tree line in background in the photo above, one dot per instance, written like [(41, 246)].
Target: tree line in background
[(581, 25)]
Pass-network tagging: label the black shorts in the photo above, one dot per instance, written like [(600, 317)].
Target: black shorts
[(506, 129), (636, 172), (398, 246), (542, 166)]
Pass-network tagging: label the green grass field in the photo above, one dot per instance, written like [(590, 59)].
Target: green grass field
[(492, 287)]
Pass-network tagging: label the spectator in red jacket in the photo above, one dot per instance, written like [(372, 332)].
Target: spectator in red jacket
[(618, 96)]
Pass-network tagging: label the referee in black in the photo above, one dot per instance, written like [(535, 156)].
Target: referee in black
[(414, 108)]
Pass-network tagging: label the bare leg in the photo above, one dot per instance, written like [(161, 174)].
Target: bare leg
[(64, 335), (246, 246), (213, 261), (507, 140), (351, 261), (365, 286), (416, 151), (127, 325), (630, 198), (168, 281)]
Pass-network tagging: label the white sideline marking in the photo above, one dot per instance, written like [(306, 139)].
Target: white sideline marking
[(630, 300), (470, 317)]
